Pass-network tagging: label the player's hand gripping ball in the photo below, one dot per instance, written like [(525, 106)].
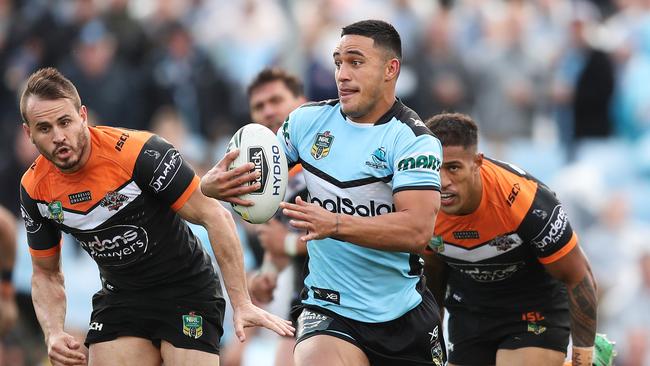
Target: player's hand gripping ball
[(259, 145)]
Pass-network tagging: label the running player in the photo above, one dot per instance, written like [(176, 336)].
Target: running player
[(8, 308), (372, 171), (518, 281), (123, 194)]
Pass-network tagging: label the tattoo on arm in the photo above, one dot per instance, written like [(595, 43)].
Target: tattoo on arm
[(583, 307)]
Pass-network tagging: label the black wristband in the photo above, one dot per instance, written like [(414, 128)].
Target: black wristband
[(6, 275)]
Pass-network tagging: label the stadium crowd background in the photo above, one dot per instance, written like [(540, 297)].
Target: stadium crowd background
[(559, 87)]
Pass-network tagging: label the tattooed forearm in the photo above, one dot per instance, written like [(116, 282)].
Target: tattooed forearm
[(583, 306)]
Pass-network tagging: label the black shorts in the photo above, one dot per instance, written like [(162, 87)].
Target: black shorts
[(191, 323), (413, 339), (475, 337)]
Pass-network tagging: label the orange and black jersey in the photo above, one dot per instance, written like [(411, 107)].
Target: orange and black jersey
[(121, 207), (496, 254)]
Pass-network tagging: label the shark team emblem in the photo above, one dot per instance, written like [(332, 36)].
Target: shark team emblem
[(322, 145)]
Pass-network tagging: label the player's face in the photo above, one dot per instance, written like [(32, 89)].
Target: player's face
[(360, 75), (59, 131), (461, 180), (271, 104)]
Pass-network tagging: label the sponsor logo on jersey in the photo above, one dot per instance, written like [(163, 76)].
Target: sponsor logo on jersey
[(417, 122), (512, 196), (327, 295), (437, 244), (153, 153), (113, 200), (55, 211), (488, 272), (378, 159), (30, 225), (503, 243), (193, 325), (349, 207), (79, 197), (422, 161), (120, 142), (466, 234), (115, 245), (166, 171), (540, 213), (553, 230), (436, 350), (322, 145)]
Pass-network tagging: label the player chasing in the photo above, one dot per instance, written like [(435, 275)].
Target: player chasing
[(518, 282), (372, 171), (123, 194)]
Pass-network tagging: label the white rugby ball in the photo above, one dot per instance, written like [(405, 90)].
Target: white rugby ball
[(258, 145)]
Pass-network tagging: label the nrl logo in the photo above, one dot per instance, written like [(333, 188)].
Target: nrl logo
[(113, 200), (193, 325), (55, 210), (322, 145)]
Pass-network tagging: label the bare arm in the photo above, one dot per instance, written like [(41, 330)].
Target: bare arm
[(7, 243), (573, 269), (48, 296), (209, 213), (408, 229)]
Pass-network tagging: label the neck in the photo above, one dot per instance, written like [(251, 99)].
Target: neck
[(476, 195)]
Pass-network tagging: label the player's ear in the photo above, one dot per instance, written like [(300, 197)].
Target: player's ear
[(28, 132), (83, 112), (392, 69), (478, 159)]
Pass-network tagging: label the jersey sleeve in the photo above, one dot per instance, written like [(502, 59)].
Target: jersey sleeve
[(161, 170), (546, 227), (416, 165), (43, 237), (287, 135)]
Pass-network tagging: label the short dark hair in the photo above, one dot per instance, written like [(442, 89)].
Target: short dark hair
[(454, 129), (382, 33), (49, 84), (271, 74)]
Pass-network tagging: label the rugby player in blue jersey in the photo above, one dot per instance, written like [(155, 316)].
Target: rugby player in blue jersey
[(372, 171)]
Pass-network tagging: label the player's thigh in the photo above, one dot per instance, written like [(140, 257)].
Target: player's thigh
[(185, 357), (325, 350), (530, 356), (284, 351), (124, 351)]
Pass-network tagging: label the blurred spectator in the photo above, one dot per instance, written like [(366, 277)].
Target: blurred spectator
[(21, 155), (507, 77), (132, 44), (181, 75), (104, 81), (443, 79), (583, 83)]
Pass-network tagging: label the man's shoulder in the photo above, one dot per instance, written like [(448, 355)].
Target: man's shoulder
[(322, 103), (39, 169), (120, 145)]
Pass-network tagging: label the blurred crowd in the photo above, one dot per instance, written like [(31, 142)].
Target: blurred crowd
[(559, 87)]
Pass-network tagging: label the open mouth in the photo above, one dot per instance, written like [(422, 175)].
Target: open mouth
[(63, 152), (447, 198)]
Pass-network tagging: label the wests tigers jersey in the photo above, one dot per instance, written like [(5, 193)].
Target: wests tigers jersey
[(496, 253), (121, 207)]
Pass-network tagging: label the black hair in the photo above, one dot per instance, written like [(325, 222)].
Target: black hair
[(454, 129), (382, 33)]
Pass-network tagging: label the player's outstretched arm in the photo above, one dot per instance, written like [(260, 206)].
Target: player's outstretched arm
[(408, 229), (48, 296), (227, 185), (573, 269), (209, 213), (8, 308)]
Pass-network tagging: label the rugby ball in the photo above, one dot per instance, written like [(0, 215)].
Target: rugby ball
[(259, 145)]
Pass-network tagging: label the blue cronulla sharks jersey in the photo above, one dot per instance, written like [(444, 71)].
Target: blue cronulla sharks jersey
[(354, 169)]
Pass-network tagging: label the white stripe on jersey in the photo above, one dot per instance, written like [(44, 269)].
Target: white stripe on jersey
[(96, 216), (488, 250)]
